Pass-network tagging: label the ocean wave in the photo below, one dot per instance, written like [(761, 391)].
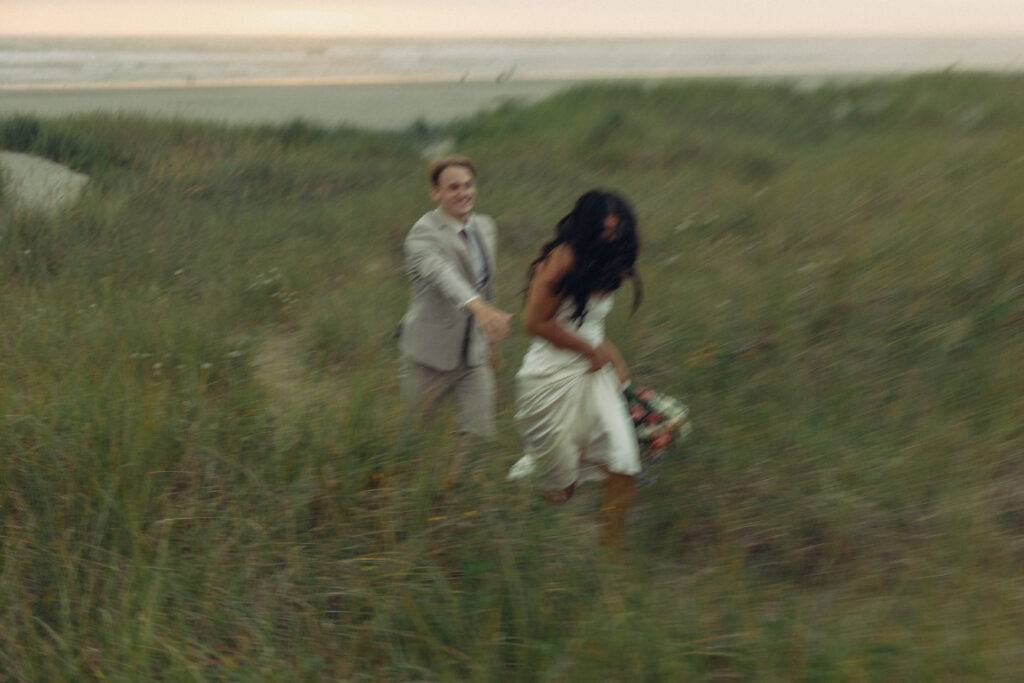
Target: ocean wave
[(70, 62)]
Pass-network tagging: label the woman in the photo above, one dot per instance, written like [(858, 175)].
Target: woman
[(570, 408)]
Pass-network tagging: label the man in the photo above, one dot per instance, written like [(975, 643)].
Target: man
[(449, 333)]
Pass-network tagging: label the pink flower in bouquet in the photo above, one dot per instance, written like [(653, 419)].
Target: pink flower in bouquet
[(654, 418), (637, 413), (644, 394)]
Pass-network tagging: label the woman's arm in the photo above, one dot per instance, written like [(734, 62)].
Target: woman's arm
[(617, 362), (542, 304)]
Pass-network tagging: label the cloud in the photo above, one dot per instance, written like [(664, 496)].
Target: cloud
[(513, 17)]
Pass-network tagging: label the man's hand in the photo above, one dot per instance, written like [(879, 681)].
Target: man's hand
[(493, 321)]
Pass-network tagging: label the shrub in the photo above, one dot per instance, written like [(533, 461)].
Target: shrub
[(67, 148), (19, 133), (299, 132)]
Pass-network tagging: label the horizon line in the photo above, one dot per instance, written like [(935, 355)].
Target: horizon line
[(528, 37)]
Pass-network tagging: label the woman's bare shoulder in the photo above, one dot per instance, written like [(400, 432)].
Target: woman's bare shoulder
[(558, 261)]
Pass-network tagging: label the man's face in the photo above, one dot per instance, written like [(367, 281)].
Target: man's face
[(455, 192)]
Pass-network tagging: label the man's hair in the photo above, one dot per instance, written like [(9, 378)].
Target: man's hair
[(437, 168)]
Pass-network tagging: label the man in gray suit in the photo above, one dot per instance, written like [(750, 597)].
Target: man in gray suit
[(449, 333)]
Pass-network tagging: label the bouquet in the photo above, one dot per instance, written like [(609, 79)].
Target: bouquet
[(658, 420)]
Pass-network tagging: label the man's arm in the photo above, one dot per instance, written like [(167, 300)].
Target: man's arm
[(425, 262)]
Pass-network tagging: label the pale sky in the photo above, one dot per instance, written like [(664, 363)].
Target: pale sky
[(513, 18)]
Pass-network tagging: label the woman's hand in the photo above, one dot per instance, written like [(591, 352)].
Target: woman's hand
[(600, 357), (622, 371), (607, 353)]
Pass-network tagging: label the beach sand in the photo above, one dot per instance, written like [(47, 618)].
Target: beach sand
[(388, 106)]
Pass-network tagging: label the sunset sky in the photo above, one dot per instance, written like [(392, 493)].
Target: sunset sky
[(513, 17)]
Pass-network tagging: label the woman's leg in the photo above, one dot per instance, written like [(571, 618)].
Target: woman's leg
[(618, 497)]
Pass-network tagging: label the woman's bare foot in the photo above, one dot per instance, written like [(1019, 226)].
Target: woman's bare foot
[(559, 497)]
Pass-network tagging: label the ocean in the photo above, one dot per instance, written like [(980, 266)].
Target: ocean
[(31, 63)]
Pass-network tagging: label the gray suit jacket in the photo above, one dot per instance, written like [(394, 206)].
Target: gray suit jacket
[(434, 329)]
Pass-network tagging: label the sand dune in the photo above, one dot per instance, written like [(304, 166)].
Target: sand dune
[(38, 184)]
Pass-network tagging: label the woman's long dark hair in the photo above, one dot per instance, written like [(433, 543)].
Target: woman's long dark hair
[(598, 265)]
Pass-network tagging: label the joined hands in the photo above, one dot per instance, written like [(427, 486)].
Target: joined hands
[(493, 321)]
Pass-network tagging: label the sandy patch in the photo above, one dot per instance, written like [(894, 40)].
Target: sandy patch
[(379, 106), (38, 184), (290, 386)]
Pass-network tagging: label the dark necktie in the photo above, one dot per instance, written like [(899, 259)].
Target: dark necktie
[(481, 273)]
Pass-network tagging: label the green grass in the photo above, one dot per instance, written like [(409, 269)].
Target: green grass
[(206, 473)]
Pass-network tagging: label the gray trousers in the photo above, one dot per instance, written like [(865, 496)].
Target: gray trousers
[(472, 387)]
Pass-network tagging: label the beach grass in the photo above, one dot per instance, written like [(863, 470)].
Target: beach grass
[(206, 472)]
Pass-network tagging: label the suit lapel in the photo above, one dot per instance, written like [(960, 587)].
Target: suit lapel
[(450, 235)]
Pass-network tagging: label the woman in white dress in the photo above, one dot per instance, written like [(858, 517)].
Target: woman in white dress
[(569, 407)]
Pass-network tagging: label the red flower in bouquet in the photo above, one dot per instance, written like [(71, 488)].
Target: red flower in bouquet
[(657, 418), (660, 442)]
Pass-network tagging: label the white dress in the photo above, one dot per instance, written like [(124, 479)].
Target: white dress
[(574, 424)]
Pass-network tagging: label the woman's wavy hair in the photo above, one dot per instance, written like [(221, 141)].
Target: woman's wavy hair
[(598, 265)]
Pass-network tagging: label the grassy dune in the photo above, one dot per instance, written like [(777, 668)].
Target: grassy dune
[(205, 473)]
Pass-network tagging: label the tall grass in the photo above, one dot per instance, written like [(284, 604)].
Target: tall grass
[(206, 473)]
